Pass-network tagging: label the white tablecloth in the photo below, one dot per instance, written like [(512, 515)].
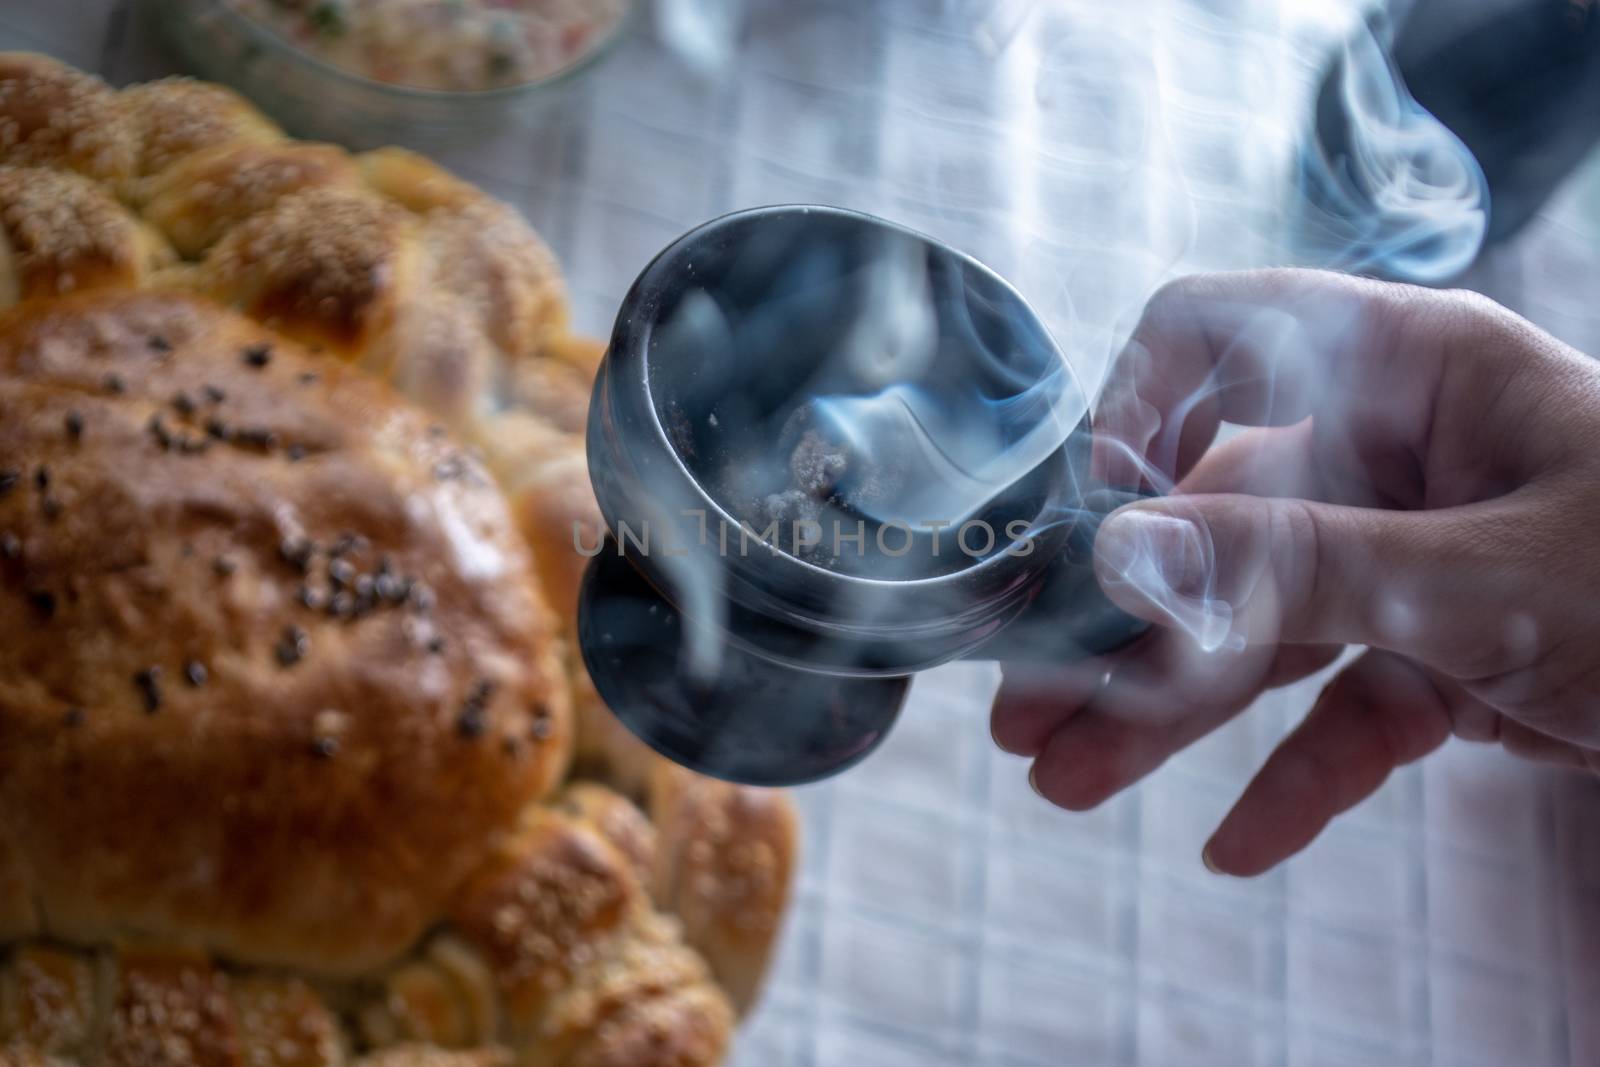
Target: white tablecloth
[(945, 914)]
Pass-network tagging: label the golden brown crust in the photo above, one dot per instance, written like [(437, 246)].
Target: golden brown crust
[(538, 907), (480, 250), (546, 475), (604, 748), (578, 953), (47, 1000), (553, 391), (726, 854), (545, 472), (445, 994), (60, 233), (283, 1023), (304, 804), (52, 115), (488, 256), (325, 266), (17, 915), (19, 1055), (725, 866), (582, 353), (441, 358), (173, 117), (420, 1003), (159, 1007), (416, 182), (619, 821), (648, 993), (418, 1055), (472, 982), (199, 197), (169, 1010), (683, 1028)]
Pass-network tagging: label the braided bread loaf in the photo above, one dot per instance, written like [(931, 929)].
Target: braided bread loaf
[(330, 828)]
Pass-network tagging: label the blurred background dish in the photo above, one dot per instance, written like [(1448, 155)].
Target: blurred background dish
[(370, 72), (458, 45)]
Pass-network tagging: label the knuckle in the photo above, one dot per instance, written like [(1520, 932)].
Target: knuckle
[(1402, 712), (1296, 547), (1309, 778), (1471, 307), (1173, 294), (1084, 772), (1405, 738)]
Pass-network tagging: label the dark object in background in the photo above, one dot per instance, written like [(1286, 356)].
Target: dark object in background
[(1518, 81), (722, 339)]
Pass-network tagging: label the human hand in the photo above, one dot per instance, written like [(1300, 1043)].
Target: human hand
[(1421, 476)]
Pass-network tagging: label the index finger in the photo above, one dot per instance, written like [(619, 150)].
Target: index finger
[(1259, 348)]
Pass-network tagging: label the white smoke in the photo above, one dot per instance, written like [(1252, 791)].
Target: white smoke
[(704, 34), (1398, 194)]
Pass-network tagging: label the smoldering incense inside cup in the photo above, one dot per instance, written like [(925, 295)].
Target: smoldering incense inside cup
[(827, 500)]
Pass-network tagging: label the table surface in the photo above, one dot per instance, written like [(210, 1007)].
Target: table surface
[(946, 915)]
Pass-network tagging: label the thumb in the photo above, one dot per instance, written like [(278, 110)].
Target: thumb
[(1240, 569)]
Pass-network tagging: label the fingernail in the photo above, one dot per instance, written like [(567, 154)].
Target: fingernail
[(1033, 780), (994, 735), (1148, 548), (1210, 864), (1025, 750)]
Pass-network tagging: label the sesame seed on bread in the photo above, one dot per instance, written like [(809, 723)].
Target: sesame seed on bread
[(269, 761), (54, 116), (290, 460)]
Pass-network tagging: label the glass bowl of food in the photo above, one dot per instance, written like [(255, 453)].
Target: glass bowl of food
[(370, 72)]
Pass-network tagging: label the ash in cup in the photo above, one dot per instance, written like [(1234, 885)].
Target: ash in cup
[(825, 499), (811, 496), (879, 407)]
